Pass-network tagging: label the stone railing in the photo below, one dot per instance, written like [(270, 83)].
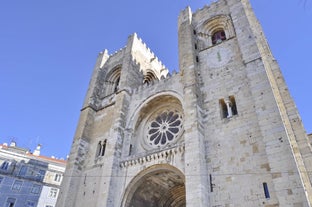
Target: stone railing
[(154, 156)]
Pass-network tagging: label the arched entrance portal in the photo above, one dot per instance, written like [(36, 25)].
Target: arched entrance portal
[(157, 186)]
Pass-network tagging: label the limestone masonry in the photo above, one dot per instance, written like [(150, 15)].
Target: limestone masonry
[(222, 132)]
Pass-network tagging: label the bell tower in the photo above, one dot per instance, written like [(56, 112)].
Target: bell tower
[(223, 131), (254, 139)]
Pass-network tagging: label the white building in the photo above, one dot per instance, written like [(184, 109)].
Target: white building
[(28, 179)]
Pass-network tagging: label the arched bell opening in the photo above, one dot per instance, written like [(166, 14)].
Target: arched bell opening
[(158, 186), (112, 81), (149, 77)]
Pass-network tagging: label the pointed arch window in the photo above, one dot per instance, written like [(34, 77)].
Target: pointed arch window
[(112, 81), (218, 36)]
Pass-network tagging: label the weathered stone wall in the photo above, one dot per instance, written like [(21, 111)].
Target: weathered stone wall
[(252, 147), (241, 133)]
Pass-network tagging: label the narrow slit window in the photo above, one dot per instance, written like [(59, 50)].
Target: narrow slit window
[(116, 87), (98, 149), (211, 184), (233, 105), (130, 149), (224, 111), (266, 190), (103, 148), (197, 59)]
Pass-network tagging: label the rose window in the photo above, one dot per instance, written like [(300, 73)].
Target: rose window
[(164, 128)]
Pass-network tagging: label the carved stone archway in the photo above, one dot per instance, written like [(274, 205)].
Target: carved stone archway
[(157, 186)]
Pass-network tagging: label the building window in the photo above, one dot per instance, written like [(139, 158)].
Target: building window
[(5, 165), (101, 148), (40, 175), (17, 185), (23, 171), (35, 189), (10, 202), (57, 177), (30, 203), (218, 36), (212, 186), (224, 111), (112, 81), (48, 206), (98, 149), (130, 149), (197, 59), (116, 87), (53, 193), (228, 107), (266, 190)]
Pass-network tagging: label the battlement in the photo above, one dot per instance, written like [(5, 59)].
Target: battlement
[(117, 52), (143, 55), (187, 13), (115, 56), (214, 8), (215, 4)]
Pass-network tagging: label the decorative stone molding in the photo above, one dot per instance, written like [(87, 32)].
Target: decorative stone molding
[(132, 161)]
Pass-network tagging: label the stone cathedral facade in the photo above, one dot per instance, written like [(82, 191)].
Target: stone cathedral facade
[(222, 132)]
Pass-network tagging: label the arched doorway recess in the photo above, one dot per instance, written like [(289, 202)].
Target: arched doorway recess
[(158, 186)]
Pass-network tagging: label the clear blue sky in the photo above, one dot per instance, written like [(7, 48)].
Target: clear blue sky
[(48, 50)]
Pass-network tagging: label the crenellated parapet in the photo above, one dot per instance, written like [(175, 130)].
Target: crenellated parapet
[(149, 62), (213, 6), (114, 58)]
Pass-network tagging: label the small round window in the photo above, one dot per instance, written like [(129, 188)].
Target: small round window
[(164, 128)]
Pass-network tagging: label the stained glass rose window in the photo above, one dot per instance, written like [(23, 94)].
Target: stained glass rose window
[(164, 128)]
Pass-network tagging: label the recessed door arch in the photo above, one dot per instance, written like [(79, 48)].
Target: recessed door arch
[(158, 185)]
